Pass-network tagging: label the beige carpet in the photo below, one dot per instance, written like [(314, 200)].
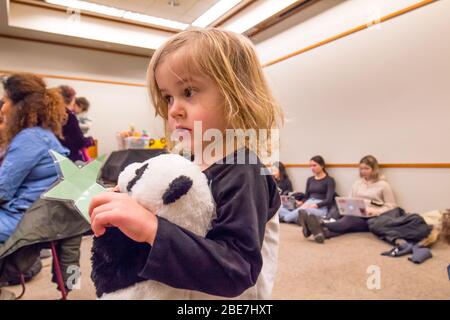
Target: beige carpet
[(307, 270), (338, 269)]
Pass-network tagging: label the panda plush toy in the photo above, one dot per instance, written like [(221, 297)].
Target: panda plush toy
[(173, 188)]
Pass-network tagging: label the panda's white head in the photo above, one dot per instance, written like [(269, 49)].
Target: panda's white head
[(171, 187)]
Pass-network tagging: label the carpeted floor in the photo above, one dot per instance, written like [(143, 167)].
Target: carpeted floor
[(337, 269)]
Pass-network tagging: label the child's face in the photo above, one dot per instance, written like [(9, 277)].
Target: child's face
[(190, 97)]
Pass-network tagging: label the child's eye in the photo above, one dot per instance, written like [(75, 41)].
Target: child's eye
[(169, 99), (189, 92)]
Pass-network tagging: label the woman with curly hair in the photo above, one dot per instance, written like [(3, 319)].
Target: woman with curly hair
[(31, 120)]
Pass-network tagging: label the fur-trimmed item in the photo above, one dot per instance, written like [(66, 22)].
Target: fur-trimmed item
[(440, 221), (170, 186), (446, 226)]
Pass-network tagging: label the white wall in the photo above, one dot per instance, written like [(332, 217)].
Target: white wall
[(321, 21), (382, 91), (113, 107)]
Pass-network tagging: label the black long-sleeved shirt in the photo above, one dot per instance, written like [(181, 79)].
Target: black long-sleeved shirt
[(285, 186), (323, 189), (74, 140), (228, 260)]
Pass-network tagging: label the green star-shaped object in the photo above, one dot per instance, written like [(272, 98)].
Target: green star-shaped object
[(76, 184)]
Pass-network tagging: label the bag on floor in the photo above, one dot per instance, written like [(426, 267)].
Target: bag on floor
[(24, 262)]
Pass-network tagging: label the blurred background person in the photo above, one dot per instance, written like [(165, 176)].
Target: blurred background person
[(74, 140), (81, 108)]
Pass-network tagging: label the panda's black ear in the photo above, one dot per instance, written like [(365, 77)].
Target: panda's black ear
[(177, 188), (139, 172)]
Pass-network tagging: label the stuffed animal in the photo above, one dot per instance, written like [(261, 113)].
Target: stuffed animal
[(173, 188)]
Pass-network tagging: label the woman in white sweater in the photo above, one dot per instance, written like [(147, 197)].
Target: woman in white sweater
[(373, 188)]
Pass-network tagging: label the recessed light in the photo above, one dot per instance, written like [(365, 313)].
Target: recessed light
[(119, 13), (173, 3)]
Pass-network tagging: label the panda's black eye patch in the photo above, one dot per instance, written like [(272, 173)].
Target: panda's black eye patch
[(177, 188), (139, 172)]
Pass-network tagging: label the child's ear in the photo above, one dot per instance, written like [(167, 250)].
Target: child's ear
[(177, 188)]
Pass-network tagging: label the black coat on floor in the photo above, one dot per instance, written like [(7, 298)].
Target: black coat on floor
[(396, 224)]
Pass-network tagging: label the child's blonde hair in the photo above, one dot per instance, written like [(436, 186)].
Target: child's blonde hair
[(230, 60)]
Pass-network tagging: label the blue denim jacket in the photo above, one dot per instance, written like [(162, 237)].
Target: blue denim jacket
[(26, 172)]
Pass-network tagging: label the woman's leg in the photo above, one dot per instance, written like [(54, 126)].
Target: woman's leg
[(291, 217), (282, 213), (320, 212), (346, 224)]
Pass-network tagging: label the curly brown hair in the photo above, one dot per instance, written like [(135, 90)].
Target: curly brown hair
[(34, 105)]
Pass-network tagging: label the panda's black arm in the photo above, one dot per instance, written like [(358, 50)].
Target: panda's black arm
[(228, 260)]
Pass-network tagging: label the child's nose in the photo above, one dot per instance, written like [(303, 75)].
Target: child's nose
[(177, 110)]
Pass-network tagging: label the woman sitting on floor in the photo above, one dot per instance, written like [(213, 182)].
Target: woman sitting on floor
[(319, 194), (372, 187), (281, 177)]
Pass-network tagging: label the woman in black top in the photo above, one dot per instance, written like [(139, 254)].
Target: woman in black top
[(319, 194), (74, 140), (281, 178)]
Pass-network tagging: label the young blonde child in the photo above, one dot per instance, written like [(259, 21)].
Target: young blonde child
[(210, 77)]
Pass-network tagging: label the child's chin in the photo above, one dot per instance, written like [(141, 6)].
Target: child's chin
[(184, 148)]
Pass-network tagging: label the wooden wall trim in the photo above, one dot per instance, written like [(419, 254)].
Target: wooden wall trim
[(50, 76), (383, 165), (351, 31)]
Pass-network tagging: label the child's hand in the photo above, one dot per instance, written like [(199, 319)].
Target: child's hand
[(114, 189), (120, 210)]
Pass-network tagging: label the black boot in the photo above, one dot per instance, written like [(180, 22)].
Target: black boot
[(301, 221), (315, 226)]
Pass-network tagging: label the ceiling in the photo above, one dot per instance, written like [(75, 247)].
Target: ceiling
[(37, 20), (186, 11), (17, 17)]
